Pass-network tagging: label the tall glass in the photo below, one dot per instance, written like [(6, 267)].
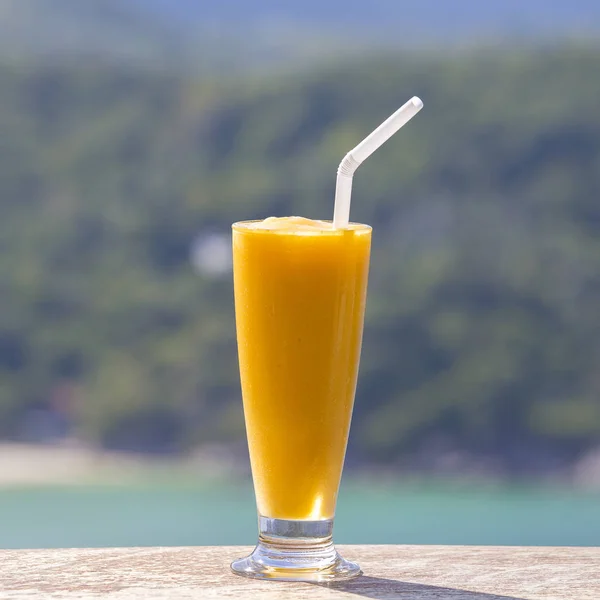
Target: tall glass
[(300, 297)]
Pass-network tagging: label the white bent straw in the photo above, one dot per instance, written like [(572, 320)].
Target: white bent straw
[(352, 160)]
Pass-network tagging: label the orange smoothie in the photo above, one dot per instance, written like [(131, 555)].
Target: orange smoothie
[(300, 294)]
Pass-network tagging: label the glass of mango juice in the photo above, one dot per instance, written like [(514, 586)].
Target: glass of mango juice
[(300, 293)]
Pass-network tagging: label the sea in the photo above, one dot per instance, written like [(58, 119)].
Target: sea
[(191, 513)]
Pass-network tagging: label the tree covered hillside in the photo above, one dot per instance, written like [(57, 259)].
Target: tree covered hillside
[(483, 320)]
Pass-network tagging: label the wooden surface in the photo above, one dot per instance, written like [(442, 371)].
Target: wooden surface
[(405, 572)]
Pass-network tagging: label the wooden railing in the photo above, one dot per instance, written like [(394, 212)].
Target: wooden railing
[(403, 572)]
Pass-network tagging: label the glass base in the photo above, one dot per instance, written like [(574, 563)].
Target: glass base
[(295, 551)]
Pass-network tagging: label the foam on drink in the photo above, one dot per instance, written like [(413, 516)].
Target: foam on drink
[(295, 225)]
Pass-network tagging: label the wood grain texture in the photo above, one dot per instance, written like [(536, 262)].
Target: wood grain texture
[(404, 572)]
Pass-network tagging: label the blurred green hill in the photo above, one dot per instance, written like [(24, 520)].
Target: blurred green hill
[(118, 186)]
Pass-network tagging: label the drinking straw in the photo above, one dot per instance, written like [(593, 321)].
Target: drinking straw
[(352, 160)]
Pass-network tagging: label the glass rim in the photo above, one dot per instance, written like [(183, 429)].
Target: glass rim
[(245, 227)]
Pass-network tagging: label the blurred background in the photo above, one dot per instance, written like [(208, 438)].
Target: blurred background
[(133, 132)]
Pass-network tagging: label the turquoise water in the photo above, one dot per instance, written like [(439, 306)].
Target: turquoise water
[(218, 514)]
